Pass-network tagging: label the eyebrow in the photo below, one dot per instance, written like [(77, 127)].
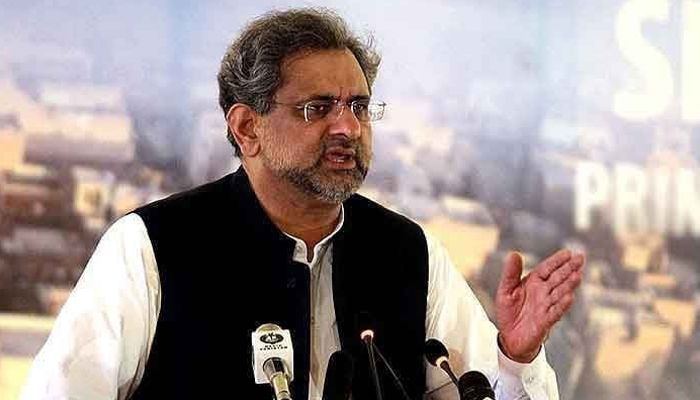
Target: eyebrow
[(330, 97), (359, 97)]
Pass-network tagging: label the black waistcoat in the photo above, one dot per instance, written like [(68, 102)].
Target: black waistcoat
[(225, 269)]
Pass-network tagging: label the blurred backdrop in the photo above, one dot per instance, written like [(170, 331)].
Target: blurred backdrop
[(526, 125)]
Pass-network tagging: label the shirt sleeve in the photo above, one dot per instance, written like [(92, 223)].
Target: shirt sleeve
[(456, 318), (101, 339)]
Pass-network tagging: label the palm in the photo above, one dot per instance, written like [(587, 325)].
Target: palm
[(527, 308)]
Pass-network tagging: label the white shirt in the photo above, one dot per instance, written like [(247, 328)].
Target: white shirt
[(99, 346)]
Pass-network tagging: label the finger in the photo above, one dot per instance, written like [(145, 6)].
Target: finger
[(512, 271), (557, 310), (562, 274), (566, 287), (583, 263), (549, 265)]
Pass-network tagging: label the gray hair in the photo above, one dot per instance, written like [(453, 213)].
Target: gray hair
[(251, 68)]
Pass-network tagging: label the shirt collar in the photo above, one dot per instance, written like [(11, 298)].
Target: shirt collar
[(300, 248)]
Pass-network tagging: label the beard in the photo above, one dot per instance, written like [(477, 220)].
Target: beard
[(319, 182)]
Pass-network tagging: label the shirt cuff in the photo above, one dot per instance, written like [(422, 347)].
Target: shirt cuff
[(518, 380), (514, 368)]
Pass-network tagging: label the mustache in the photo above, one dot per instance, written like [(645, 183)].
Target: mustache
[(361, 154), (343, 143)]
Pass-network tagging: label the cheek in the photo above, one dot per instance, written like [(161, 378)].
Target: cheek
[(276, 139), (304, 139), (292, 141)]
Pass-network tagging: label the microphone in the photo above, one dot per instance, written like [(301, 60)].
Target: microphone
[(338, 382), (366, 326), (474, 385), (437, 355), (273, 359)]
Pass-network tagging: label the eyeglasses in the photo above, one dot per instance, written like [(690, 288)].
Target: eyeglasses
[(364, 110)]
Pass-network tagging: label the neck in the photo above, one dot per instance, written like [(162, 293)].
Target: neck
[(292, 211)]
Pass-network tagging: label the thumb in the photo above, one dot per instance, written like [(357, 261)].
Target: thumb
[(512, 271)]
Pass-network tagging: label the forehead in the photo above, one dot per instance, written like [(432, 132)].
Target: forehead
[(322, 72)]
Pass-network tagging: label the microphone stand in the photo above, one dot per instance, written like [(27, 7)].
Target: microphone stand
[(445, 366)]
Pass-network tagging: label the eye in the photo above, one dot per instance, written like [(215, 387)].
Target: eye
[(361, 106), (321, 107), (361, 109)]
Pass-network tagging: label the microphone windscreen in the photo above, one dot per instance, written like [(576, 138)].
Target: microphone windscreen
[(475, 385), (366, 325), (434, 349), (338, 382)]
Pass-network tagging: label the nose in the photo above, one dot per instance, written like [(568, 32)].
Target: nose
[(345, 122)]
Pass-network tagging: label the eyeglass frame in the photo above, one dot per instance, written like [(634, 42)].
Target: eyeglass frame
[(335, 102)]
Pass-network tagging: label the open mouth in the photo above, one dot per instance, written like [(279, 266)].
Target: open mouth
[(340, 155), (339, 158)]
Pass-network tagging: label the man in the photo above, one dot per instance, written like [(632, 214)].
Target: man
[(168, 301)]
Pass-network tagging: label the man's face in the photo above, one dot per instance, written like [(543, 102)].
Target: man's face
[(327, 159)]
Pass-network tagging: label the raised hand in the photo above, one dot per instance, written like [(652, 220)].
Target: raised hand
[(527, 308)]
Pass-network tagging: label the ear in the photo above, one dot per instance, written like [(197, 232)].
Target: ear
[(241, 120)]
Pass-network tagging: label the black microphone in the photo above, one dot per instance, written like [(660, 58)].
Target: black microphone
[(338, 382), (437, 355), (365, 323), (474, 385)]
